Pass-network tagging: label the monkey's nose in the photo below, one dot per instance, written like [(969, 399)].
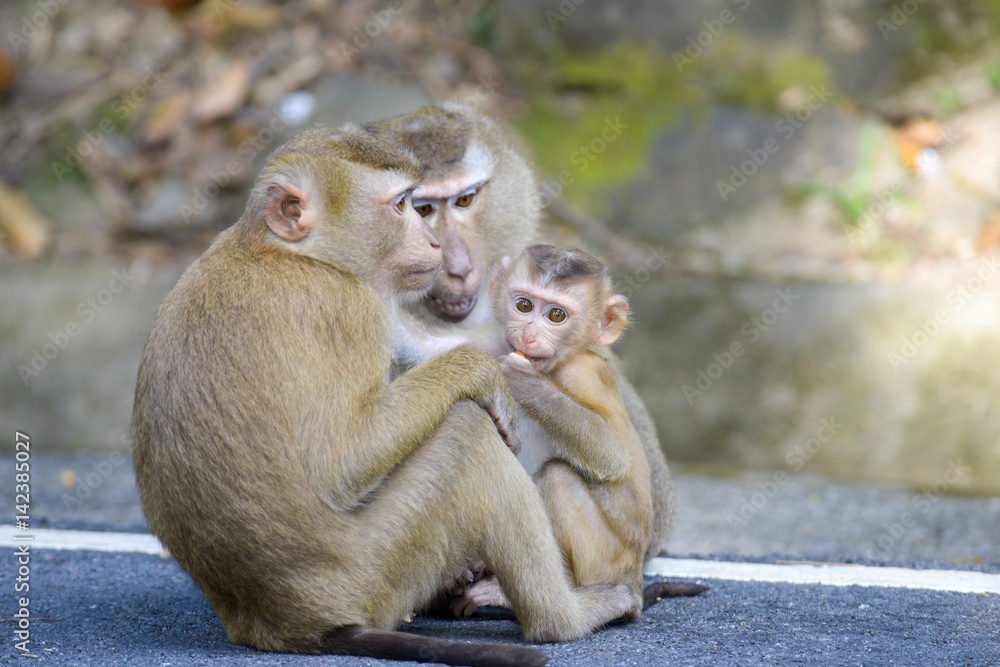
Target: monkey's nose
[(458, 268)]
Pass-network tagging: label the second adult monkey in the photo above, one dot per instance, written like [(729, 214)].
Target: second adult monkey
[(480, 197)]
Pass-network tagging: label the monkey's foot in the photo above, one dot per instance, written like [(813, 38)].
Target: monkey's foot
[(484, 593), (461, 582)]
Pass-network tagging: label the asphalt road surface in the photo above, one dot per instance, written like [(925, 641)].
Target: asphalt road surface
[(105, 608)]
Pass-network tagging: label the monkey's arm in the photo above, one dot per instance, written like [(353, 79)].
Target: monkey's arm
[(585, 426), (413, 407), (417, 343)]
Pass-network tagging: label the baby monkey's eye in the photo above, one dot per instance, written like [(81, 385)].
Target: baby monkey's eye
[(557, 315), (423, 209), (464, 201), (401, 204), (524, 305)]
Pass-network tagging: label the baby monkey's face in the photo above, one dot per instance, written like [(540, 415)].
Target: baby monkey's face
[(542, 323)]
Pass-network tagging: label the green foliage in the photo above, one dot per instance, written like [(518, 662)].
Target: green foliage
[(950, 102), (481, 25), (993, 74), (857, 197), (594, 118), (745, 73), (574, 98)]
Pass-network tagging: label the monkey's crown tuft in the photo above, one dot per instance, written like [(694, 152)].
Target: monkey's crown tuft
[(352, 145), (437, 137), (563, 264)]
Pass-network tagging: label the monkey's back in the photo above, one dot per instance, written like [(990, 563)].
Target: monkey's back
[(226, 398)]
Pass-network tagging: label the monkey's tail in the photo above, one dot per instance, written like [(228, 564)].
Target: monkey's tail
[(368, 642), (669, 589)]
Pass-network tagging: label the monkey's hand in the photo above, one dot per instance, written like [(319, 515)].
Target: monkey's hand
[(467, 372), (521, 376), (503, 409)]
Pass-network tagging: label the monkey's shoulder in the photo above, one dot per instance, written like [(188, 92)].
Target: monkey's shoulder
[(250, 303), (589, 373), (592, 382)]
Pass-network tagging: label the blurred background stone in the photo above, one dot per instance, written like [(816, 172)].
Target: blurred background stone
[(801, 199)]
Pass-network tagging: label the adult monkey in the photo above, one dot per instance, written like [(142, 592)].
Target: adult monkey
[(315, 502), (480, 197)]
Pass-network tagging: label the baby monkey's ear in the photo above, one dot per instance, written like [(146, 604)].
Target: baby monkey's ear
[(612, 321)]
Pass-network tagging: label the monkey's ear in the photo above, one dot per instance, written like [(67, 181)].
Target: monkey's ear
[(288, 212), (612, 321)]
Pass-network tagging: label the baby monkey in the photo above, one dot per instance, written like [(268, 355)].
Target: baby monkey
[(557, 309)]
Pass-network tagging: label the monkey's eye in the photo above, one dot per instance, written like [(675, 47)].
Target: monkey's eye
[(465, 200), (423, 209), (401, 204), (524, 305), (557, 315)]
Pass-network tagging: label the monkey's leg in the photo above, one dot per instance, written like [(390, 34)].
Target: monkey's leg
[(461, 495), (661, 484), (593, 550)]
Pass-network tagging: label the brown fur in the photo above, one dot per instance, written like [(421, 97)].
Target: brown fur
[(596, 486), (505, 222), (310, 497)]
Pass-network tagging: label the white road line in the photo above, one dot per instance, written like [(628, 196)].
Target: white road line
[(960, 581), (80, 540)]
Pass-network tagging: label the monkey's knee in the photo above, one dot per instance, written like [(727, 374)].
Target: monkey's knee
[(558, 477)]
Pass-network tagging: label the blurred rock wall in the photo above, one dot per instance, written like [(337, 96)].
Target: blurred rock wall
[(801, 200)]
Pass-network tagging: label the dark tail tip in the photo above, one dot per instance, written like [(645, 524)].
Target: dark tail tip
[(669, 589), (390, 645)]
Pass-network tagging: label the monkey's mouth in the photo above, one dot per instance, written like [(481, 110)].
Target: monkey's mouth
[(533, 360), (455, 310)]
